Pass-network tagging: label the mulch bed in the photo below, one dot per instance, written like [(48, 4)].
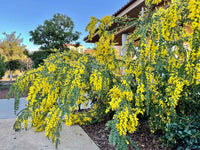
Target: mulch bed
[(3, 93), (143, 138)]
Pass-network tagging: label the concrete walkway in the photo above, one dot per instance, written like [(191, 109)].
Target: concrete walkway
[(7, 107), (72, 138)]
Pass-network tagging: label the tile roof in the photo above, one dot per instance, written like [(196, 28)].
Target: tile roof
[(88, 50), (73, 44)]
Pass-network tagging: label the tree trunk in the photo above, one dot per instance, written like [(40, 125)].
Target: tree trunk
[(10, 75)]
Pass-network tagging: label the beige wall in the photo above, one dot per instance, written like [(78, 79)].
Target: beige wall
[(79, 49)]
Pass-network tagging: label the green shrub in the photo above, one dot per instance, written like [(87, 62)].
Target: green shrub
[(2, 66), (39, 56), (183, 134)]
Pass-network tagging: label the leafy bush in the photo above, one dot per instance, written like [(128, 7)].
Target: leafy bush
[(2, 66), (160, 81), (39, 56), (184, 134)]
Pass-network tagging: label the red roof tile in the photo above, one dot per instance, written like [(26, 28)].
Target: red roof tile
[(72, 45)]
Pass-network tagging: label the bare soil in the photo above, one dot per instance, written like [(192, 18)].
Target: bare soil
[(143, 138), (3, 93)]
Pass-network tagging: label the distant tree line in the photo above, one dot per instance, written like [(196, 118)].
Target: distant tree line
[(55, 33)]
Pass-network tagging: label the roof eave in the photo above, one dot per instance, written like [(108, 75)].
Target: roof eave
[(132, 4)]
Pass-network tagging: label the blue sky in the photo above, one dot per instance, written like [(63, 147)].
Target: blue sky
[(23, 16)]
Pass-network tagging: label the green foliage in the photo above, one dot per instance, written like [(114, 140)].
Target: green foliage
[(39, 56), (2, 66), (55, 33), (26, 52), (14, 64), (191, 105), (184, 133)]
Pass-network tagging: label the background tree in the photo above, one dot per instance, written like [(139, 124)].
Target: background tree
[(55, 33), (39, 56), (13, 65), (2, 66), (12, 49)]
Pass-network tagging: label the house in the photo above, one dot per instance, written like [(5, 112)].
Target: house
[(75, 47), (131, 9)]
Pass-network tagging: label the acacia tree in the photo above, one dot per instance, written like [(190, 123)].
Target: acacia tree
[(159, 87), (12, 49), (54, 33)]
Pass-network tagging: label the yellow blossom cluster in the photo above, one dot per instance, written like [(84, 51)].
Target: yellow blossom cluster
[(91, 27), (128, 122), (152, 2), (194, 15), (54, 88), (96, 80)]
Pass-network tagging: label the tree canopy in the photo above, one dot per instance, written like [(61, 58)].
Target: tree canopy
[(54, 33), (12, 47), (13, 51), (14, 64)]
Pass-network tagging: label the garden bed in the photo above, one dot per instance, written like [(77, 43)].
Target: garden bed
[(143, 138)]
